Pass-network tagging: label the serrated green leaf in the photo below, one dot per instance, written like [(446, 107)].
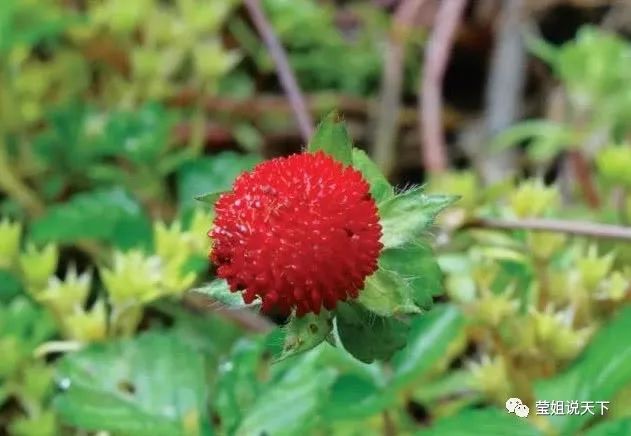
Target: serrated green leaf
[(597, 374), (368, 336), (306, 332), (380, 188), (407, 216), (332, 138), (211, 174), (416, 264), (151, 385), (430, 337), (386, 294), (219, 291), (104, 215), (487, 422)]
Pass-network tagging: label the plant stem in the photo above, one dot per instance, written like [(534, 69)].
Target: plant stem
[(387, 121), (435, 63), (285, 73), (578, 228), (580, 166)]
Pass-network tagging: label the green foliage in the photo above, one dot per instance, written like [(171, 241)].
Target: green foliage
[(321, 55), (96, 157), (152, 385), (106, 215), (594, 69), (600, 372), (492, 422)]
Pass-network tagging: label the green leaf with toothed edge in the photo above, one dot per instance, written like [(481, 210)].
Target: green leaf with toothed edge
[(408, 215), (368, 336), (332, 138), (416, 265)]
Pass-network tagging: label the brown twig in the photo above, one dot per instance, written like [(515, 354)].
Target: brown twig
[(580, 168), (435, 63), (285, 74), (577, 228), (253, 109), (392, 82)]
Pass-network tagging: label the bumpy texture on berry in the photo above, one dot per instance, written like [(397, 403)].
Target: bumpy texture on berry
[(300, 232)]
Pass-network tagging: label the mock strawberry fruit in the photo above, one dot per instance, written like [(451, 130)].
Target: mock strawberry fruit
[(300, 232)]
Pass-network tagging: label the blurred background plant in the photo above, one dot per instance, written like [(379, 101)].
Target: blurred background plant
[(115, 115)]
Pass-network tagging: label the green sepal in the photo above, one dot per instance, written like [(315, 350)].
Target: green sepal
[(219, 292), (387, 294), (304, 333), (332, 138), (210, 197), (380, 189), (408, 215)]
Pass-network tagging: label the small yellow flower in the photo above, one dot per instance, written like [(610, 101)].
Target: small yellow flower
[(38, 266), (134, 277), (63, 296), (532, 198)]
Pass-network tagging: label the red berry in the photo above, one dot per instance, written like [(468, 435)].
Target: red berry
[(299, 232)]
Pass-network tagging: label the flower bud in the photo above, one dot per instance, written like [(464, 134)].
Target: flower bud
[(491, 309), (87, 326), (594, 268), (64, 296), (544, 244), (171, 242), (38, 266), (616, 287), (134, 277), (490, 376), (556, 336), (532, 198)]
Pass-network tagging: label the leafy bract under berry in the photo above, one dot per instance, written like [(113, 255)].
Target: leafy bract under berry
[(300, 232)]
